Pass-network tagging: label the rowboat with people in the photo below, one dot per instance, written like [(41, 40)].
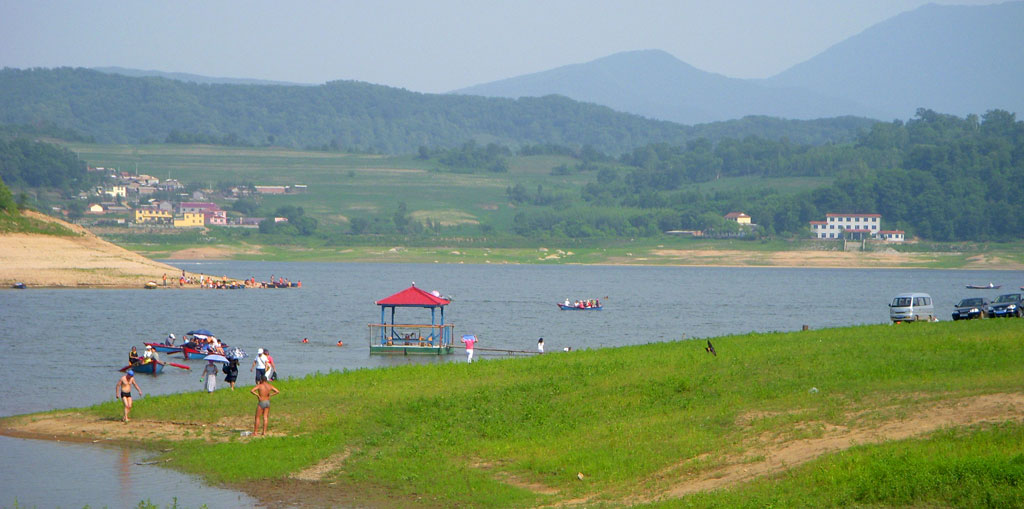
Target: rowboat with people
[(148, 367), (163, 348), (581, 305)]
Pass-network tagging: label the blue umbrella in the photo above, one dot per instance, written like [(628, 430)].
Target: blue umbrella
[(203, 332)]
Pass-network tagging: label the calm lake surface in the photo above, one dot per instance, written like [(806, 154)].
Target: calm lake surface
[(506, 306)]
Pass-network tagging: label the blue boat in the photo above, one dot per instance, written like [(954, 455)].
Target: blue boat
[(581, 305), (150, 368)]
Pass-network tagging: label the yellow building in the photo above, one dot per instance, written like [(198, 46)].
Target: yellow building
[(152, 216), (190, 219), (116, 191), (739, 217)]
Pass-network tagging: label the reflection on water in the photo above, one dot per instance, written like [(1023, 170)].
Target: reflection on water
[(62, 348), (40, 473)]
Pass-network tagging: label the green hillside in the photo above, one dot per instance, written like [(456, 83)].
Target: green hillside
[(347, 116)]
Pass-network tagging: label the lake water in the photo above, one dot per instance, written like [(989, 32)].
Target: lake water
[(506, 306)]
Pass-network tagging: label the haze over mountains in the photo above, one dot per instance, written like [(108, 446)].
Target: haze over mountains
[(952, 59)]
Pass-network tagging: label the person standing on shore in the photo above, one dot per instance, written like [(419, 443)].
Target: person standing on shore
[(540, 345), (123, 389), (231, 372), (210, 376), (260, 364), (263, 391), (271, 367), (469, 340)]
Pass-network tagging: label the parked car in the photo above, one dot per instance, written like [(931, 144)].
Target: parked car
[(1006, 305), (912, 307), (973, 307)]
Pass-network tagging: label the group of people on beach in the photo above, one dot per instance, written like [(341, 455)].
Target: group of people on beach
[(225, 283), (263, 390)]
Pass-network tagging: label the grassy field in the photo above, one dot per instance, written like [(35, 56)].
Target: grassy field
[(342, 185), (346, 185), (666, 425)]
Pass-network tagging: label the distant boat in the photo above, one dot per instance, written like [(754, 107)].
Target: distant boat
[(989, 286), (19, 286), (581, 306), (151, 285)]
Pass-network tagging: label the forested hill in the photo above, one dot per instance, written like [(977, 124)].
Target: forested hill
[(346, 115)]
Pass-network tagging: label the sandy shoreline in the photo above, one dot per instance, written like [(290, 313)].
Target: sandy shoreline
[(87, 261), (80, 261)]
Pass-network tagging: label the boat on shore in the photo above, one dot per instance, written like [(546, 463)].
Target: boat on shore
[(989, 286)]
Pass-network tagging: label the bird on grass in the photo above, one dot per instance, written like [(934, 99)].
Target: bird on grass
[(710, 349)]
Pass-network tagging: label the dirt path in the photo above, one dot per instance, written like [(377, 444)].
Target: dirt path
[(780, 456)]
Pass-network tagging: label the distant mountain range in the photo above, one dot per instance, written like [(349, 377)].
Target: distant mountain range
[(193, 78), (347, 115), (953, 59)]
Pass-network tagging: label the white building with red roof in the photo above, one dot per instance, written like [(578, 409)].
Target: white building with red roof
[(853, 226)]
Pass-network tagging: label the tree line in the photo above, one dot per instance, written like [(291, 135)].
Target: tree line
[(937, 176), (349, 116), (29, 163)]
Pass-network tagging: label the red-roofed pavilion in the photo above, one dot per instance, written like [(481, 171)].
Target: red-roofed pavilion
[(435, 338)]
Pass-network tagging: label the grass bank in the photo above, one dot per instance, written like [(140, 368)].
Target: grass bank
[(877, 415)]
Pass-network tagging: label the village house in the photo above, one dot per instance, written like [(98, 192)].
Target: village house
[(216, 217), (190, 220), (195, 206), (738, 217), (116, 191), (892, 235), (152, 214), (271, 189), (95, 208)]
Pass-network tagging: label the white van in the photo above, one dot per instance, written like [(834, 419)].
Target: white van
[(912, 307)]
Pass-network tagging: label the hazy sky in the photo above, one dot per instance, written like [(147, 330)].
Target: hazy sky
[(426, 46)]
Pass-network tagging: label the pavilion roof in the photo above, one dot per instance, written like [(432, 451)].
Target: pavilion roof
[(413, 296)]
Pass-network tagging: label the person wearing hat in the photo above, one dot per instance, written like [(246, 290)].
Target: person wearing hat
[(150, 355), (170, 340), (260, 364), (123, 389)]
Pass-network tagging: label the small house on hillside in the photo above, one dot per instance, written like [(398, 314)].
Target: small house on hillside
[(738, 217)]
